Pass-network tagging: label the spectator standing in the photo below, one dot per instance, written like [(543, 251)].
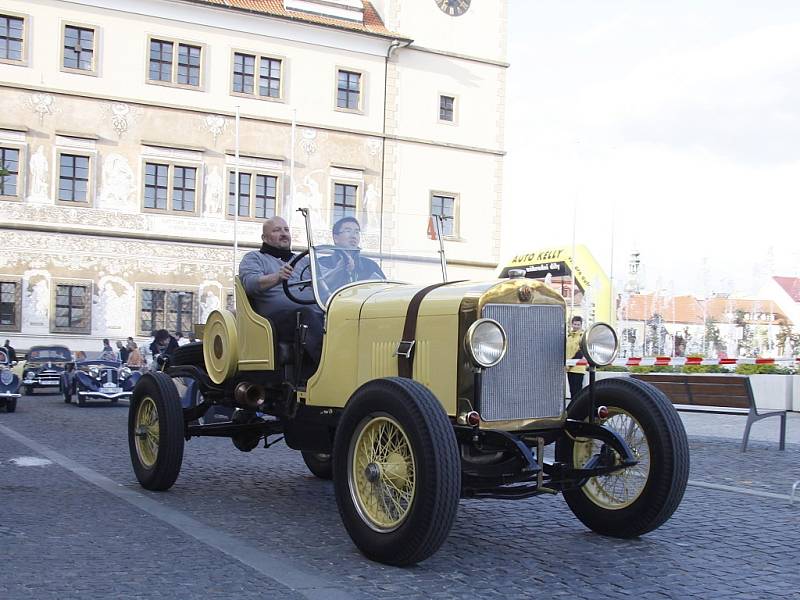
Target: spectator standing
[(12, 354), (123, 352), (135, 358), (575, 374), (108, 352)]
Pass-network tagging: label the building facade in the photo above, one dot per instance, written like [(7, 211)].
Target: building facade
[(118, 138)]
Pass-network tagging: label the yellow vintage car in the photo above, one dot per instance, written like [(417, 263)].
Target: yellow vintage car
[(424, 394)]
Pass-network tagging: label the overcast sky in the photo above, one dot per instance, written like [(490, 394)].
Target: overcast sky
[(676, 124)]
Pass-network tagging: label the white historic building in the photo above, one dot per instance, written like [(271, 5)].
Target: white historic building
[(117, 136)]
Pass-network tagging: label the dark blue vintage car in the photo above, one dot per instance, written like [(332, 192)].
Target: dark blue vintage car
[(98, 379), (44, 366), (9, 383)]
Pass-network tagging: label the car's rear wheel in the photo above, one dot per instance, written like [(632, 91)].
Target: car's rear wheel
[(396, 471), (319, 463), (155, 431), (638, 499)]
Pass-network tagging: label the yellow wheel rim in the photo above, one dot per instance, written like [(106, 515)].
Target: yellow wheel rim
[(146, 432), (382, 473), (621, 488)]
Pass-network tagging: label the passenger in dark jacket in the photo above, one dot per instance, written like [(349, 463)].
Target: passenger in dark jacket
[(163, 343)]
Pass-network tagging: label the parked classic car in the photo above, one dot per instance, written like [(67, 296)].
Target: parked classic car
[(97, 379), (424, 394), (44, 366), (9, 383)]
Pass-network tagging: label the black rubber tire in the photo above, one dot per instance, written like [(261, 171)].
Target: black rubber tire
[(11, 405), (188, 354), (169, 455), (320, 464), (81, 400), (29, 389), (68, 395), (668, 454), (437, 470)]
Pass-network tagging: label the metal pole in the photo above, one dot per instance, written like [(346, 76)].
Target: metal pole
[(442, 257), (290, 212), (236, 202)]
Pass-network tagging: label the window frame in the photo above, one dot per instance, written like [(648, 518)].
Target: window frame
[(95, 48), (439, 119), (23, 61), (259, 57), (90, 182), (88, 284), (361, 90), (173, 80), (160, 287), (17, 281), (230, 172), (359, 191), (171, 165), (21, 170), (456, 234)]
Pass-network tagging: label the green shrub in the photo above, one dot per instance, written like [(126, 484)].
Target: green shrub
[(703, 369), (613, 369), (653, 369), (762, 370)]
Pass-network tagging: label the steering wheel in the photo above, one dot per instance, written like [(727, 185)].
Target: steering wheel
[(303, 278)]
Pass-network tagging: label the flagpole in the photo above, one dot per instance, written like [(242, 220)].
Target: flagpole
[(236, 201)]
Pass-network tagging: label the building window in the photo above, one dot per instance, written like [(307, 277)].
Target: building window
[(445, 207), (10, 305), (166, 309), (175, 62), (257, 195), (12, 31), (446, 106), (348, 93), (78, 48), (244, 75), (344, 200), (73, 178), (9, 161), (170, 187), (72, 308)]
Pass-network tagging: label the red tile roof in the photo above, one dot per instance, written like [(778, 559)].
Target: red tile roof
[(372, 21), (791, 286), (688, 309)]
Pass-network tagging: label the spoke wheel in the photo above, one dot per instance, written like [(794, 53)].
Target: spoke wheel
[(155, 431), (632, 501), (397, 471), (620, 489), (382, 473)]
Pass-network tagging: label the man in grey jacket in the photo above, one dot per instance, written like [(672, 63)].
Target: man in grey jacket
[(263, 272)]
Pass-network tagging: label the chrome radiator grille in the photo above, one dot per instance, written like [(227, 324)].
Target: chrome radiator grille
[(529, 381)]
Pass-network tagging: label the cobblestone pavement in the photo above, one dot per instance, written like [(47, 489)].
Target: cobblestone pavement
[(258, 525)]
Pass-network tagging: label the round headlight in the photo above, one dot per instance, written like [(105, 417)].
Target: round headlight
[(124, 372), (599, 345), (94, 371), (486, 342)]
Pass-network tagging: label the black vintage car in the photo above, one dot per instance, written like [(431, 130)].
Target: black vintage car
[(44, 367), (9, 383), (97, 379)]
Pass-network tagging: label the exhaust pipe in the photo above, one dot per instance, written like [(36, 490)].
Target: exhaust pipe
[(249, 395)]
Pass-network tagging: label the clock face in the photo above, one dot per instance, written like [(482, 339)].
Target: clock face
[(454, 8)]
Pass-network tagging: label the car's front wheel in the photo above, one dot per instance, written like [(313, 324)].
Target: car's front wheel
[(155, 431), (11, 405), (397, 473), (632, 501)]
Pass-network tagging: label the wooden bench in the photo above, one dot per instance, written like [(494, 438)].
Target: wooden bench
[(722, 394)]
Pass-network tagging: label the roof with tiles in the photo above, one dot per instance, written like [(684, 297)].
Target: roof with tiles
[(791, 285), (372, 24), (690, 310)]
